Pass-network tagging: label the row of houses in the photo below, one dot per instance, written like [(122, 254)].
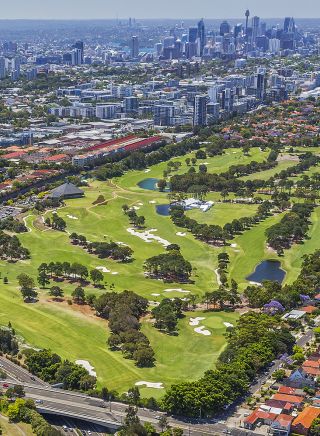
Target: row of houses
[(291, 409)]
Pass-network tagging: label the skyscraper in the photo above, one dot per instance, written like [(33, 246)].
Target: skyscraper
[(289, 25), (255, 28), (247, 15), (200, 110), (201, 35), (224, 28), (134, 47), (193, 34), (79, 45)]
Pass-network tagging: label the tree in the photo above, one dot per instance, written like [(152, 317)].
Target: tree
[(43, 279), (26, 287), (315, 427), (163, 422), (134, 395), (279, 375), (56, 292), (162, 184), (96, 276), (78, 295)]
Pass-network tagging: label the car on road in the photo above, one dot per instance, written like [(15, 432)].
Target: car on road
[(5, 385), (39, 402)]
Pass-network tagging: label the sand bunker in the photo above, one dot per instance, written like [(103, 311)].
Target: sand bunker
[(103, 269), (150, 385), (152, 201), (135, 207), (233, 245), (218, 277), (228, 324), (72, 217), (181, 234), (147, 170), (182, 291), (155, 295), (147, 236), (114, 273), (202, 330), (196, 321), (85, 364)]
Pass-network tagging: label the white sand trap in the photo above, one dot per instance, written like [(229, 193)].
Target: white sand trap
[(233, 245), (196, 321), (236, 251), (181, 291), (85, 364), (140, 204), (228, 324), (205, 163), (135, 207), (147, 236), (234, 152), (181, 234), (202, 330), (152, 201), (147, 170), (255, 283), (72, 217), (114, 273), (103, 269), (150, 385), (155, 295), (122, 243)]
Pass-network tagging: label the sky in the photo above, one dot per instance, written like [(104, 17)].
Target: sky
[(86, 9)]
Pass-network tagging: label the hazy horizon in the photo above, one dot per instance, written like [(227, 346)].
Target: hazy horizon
[(151, 9)]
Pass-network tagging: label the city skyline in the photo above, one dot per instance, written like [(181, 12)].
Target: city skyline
[(100, 9)]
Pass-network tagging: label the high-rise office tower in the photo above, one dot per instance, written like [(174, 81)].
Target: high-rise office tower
[(201, 35), (224, 28), (289, 25), (193, 34), (3, 70), (134, 47), (79, 45), (255, 28), (200, 110)]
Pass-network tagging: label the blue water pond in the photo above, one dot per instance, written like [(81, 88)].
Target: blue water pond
[(163, 209), (267, 270), (151, 184)]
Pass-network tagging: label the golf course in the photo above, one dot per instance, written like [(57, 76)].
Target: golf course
[(76, 333)]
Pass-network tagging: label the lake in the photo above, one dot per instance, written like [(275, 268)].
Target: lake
[(163, 209), (267, 270), (151, 184)]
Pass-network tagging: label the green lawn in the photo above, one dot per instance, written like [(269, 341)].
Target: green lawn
[(265, 175)]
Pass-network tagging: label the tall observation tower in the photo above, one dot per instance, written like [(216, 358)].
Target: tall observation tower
[(247, 15)]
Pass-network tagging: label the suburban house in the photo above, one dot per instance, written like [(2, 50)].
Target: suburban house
[(281, 425), (302, 423), (259, 416)]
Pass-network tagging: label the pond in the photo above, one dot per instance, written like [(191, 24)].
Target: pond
[(267, 270), (151, 184), (163, 209)]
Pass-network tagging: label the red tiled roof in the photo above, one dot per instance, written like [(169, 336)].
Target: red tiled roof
[(286, 390), (57, 157), (311, 364), (306, 417), (309, 309), (14, 155), (288, 398), (284, 420), (259, 414)]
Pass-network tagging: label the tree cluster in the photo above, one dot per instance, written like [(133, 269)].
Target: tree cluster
[(292, 228), (56, 222), (11, 248), (52, 369), (167, 314), (123, 311), (170, 266), (12, 225), (8, 342), (111, 249)]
